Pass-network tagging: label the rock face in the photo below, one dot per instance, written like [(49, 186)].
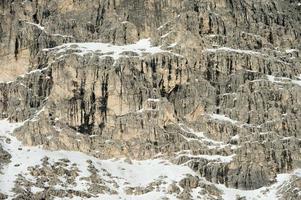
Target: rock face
[(214, 85), (4, 157)]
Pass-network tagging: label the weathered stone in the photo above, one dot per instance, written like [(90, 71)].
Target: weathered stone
[(227, 83)]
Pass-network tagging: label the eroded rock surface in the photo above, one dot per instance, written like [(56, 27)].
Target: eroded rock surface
[(213, 85)]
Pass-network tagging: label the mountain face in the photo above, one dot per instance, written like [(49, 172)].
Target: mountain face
[(150, 99)]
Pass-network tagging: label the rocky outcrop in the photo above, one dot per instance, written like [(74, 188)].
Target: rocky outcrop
[(217, 87), (4, 157)]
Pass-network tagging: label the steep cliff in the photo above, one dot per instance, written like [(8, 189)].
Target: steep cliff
[(212, 85)]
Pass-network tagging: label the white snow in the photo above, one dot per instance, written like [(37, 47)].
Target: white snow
[(138, 173), (42, 28), (36, 115), (190, 130), (10, 171), (224, 159), (298, 173), (272, 79), (173, 45), (211, 35), (228, 49), (222, 118), (162, 26), (36, 189), (167, 34), (200, 136), (154, 195), (57, 128), (297, 82), (264, 193), (35, 71), (36, 25), (60, 35), (153, 100), (236, 137), (291, 50), (23, 75), (284, 80), (215, 158), (247, 52), (142, 47)]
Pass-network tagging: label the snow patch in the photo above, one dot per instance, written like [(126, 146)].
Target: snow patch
[(222, 118), (140, 48), (236, 137), (173, 45), (153, 100), (60, 35), (215, 158), (162, 26), (291, 50), (42, 28), (200, 136), (284, 80), (263, 193), (36, 25), (134, 174), (167, 34), (227, 49)]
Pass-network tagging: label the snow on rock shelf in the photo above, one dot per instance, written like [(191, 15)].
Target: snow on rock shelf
[(228, 49), (139, 49), (83, 175), (284, 80), (222, 118), (127, 174)]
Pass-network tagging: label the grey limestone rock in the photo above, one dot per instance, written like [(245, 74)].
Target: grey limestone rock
[(226, 82)]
